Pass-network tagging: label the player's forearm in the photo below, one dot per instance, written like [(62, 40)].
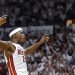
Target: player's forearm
[(3, 44), (32, 48)]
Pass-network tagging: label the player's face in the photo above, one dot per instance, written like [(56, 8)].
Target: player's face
[(21, 37)]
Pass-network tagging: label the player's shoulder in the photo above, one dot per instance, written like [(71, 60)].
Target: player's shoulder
[(10, 44), (14, 45)]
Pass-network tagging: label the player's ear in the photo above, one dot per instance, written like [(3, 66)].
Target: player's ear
[(14, 36)]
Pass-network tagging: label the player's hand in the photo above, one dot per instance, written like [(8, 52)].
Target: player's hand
[(44, 39), (2, 21)]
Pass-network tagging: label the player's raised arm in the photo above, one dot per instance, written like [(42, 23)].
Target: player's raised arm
[(34, 47), (4, 45)]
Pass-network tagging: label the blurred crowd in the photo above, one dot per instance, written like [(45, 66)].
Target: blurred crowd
[(55, 57), (37, 12)]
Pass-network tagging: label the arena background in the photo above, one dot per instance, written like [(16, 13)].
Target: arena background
[(39, 17)]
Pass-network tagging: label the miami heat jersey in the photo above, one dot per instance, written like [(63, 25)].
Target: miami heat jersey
[(16, 62)]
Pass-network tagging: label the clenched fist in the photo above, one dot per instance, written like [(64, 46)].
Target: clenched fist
[(2, 21), (44, 38)]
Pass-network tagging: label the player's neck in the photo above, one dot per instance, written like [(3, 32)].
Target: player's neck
[(14, 41)]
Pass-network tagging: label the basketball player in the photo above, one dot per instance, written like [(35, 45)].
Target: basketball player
[(15, 53)]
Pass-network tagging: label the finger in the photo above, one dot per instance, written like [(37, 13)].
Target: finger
[(47, 35), (47, 38)]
